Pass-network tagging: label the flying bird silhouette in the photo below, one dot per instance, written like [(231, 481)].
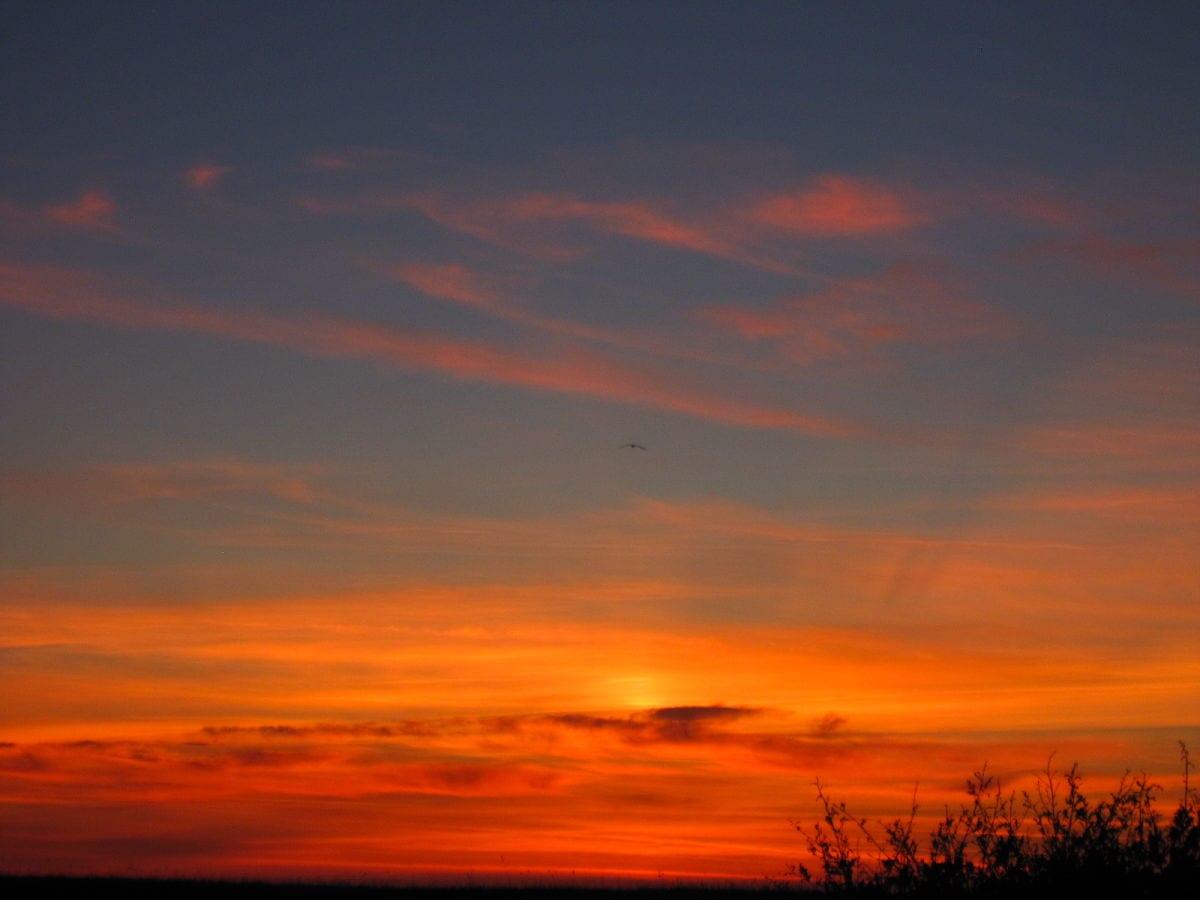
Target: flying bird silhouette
[(632, 447)]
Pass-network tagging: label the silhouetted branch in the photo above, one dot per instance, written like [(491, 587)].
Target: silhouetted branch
[(1054, 838)]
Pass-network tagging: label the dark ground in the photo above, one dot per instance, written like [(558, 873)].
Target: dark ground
[(20, 887)]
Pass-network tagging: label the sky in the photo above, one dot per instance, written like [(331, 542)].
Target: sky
[(325, 331)]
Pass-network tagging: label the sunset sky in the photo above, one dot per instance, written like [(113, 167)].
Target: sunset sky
[(323, 329)]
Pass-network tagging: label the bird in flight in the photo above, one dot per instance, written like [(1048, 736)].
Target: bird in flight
[(632, 446)]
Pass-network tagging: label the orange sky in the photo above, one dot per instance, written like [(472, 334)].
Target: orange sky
[(560, 724)]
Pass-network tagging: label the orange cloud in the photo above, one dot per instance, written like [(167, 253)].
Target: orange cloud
[(1124, 415), (188, 480), (551, 795), (69, 295), (93, 211), (1105, 447), (689, 747), (837, 206), (1170, 507), (205, 176)]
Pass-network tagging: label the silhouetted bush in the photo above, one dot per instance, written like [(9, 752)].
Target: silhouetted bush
[(1043, 844)]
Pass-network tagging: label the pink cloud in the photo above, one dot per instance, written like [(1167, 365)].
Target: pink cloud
[(64, 294), (345, 159), (637, 219), (1041, 208), (837, 206), (531, 223), (205, 176), (331, 162), (451, 282), (1168, 265), (858, 316), (93, 211), (462, 285)]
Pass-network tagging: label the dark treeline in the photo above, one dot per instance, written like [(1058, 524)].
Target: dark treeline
[(1053, 842)]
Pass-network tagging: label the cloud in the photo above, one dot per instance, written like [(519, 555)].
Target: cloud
[(500, 735), (1132, 408), (344, 810), (490, 220), (837, 206), (638, 219), (520, 733), (185, 480), (476, 779), (717, 712), (1167, 265), (664, 725), (532, 223), (452, 282), (93, 211), (326, 730), (1169, 507), (857, 317), (1039, 207), (684, 724), (561, 225), (346, 159), (64, 294), (828, 725), (470, 288), (205, 176), (1098, 446)]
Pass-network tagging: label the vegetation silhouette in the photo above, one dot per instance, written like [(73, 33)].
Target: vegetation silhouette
[(1047, 843)]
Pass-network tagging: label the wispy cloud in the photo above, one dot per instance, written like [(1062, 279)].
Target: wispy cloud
[(532, 223), (352, 158), (562, 226), (205, 176), (452, 281), (64, 294), (1138, 446), (1131, 409), (1045, 207), (858, 317), (837, 206), (468, 287), (93, 211), (1167, 265), (186, 480), (1168, 507)]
